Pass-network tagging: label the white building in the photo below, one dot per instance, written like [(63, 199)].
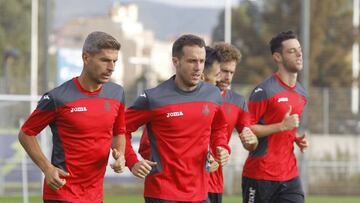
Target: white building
[(143, 61)]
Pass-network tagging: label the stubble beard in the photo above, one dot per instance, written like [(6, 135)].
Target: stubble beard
[(292, 67)]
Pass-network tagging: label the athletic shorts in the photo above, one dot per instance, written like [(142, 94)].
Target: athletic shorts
[(154, 200), (264, 191), (215, 197)]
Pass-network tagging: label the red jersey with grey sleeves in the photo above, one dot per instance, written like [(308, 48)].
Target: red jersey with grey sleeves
[(274, 157), (83, 124), (237, 116), (179, 126)]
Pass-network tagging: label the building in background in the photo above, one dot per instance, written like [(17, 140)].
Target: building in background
[(143, 61)]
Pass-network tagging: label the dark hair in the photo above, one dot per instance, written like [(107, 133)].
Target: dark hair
[(228, 52), (212, 55), (186, 40), (276, 42), (96, 41)]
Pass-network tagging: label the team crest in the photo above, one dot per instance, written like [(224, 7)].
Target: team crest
[(107, 105), (205, 110), (301, 100), (228, 110)]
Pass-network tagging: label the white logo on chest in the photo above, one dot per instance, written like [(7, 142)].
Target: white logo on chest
[(78, 109), (174, 114), (283, 99), (258, 90), (46, 97)]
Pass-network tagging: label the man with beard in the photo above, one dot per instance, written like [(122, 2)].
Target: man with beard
[(270, 172), (236, 113), (211, 74), (181, 115)]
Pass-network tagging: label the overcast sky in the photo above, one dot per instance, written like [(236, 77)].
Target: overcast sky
[(193, 3), (201, 15)]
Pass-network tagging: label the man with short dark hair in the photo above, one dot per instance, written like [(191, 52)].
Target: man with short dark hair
[(236, 113), (270, 172), (181, 115), (211, 73), (86, 117)]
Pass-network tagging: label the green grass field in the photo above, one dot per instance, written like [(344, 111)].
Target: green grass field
[(227, 199)]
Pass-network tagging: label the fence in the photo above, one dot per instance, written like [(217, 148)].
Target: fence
[(331, 165)]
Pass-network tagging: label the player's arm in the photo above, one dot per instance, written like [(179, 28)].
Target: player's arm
[(52, 174), (258, 106), (134, 119), (130, 155), (38, 120), (136, 116), (289, 122), (119, 143), (214, 165), (138, 168), (144, 147), (218, 138), (118, 140), (118, 152), (247, 137), (301, 142)]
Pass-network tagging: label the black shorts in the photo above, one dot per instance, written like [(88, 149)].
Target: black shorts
[(256, 191), (154, 200), (215, 197)]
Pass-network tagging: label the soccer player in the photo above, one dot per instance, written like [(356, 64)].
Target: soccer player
[(181, 115), (211, 74), (236, 113), (86, 117), (270, 172)]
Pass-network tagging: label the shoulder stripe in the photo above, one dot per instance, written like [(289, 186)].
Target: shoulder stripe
[(167, 94), (69, 92)]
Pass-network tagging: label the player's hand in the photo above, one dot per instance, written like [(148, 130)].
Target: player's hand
[(302, 142), (142, 168), (290, 121), (248, 139), (52, 177), (213, 164), (119, 164), (222, 155)]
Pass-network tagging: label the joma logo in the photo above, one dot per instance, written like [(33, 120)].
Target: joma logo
[(78, 109), (174, 114), (252, 193), (283, 99)]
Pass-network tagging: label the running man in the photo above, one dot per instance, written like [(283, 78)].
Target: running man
[(211, 74), (181, 115), (270, 172), (236, 113), (86, 117)]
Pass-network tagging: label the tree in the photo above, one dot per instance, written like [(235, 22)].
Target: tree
[(15, 33), (254, 23)]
